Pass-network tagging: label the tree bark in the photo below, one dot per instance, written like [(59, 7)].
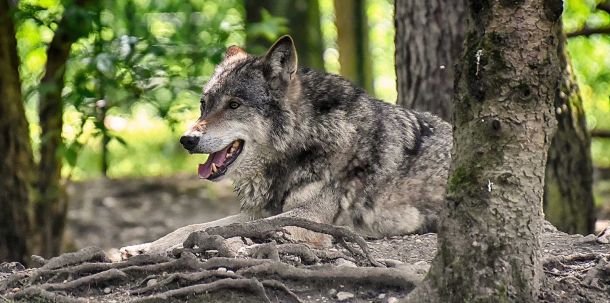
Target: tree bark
[(16, 160), (52, 204), (429, 38), (568, 190), (352, 40), (303, 18), (504, 119)]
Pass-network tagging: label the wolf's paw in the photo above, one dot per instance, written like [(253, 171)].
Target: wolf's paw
[(152, 248), (298, 234), (134, 250)]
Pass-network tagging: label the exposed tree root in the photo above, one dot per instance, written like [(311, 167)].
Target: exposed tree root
[(212, 260), (267, 227), (33, 293), (250, 285), (102, 277), (185, 278), (301, 250), (205, 242), (280, 286), (390, 277), (266, 251), (88, 254)]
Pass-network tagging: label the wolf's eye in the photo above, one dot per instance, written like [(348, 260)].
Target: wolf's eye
[(234, 104)]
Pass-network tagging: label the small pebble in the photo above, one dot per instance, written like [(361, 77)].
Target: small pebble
[(151, 282), (392, 300), (16, 289), (222, 269), (381, 296), (332, 292), (344, 295), (107, 290), (230, 272)]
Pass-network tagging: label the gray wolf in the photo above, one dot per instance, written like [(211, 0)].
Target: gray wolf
[(298, 142)]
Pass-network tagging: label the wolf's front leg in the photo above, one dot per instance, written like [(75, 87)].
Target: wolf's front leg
[(175, 238)]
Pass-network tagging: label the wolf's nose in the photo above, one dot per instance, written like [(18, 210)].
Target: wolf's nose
[(189, 141)]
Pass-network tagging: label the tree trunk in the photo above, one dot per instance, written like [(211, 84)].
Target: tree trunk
[(429, 38), (489, 248), (352, 39), (16, 160), (303, 18), (568, 192), (52, 204), (429, 34)]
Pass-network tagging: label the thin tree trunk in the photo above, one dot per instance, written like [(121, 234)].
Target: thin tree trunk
[(504, 119), (568, 192), (352, 39), (429, 38), (303, 18), (16, 160), (52, 204)]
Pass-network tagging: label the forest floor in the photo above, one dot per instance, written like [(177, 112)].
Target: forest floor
[(263, 265)]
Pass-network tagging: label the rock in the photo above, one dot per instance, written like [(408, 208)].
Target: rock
[(38, 261), (604, 236), (107, 290), (230, 272), (392, 300), (11, 267), (344, 295), (222, 269), (332, 292), (151, 282), (588, 238), (344, 263), (381, 296)]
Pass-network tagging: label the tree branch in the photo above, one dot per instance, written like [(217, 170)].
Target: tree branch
[(587, 31), (604, 6), (600, 133)]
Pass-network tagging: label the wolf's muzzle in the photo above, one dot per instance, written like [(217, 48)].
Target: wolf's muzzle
[(189, 142)]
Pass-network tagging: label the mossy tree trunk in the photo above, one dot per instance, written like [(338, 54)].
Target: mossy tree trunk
[(489, 246), (303, 24), (429, 39), (353, 42), (568, 192), (51, 204), (16, 160)]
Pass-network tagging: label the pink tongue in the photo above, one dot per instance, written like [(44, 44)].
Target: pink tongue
[(218, 158)]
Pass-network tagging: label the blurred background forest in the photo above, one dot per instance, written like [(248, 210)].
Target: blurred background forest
[(134, 70)]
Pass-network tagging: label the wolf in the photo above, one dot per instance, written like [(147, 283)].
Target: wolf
[(303, 143)]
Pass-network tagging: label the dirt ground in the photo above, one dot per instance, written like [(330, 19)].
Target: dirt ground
[(110, 214)]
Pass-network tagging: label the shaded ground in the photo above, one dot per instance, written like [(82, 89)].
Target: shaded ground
[(220, 267), (115, 213)]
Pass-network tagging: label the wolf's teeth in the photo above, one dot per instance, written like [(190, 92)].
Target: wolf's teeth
[(236, 144), (214, 169), (229, 155)]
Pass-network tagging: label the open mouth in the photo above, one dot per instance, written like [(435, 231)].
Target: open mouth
[(218, 162)]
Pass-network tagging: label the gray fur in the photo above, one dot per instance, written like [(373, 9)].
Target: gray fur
[(320, 148)]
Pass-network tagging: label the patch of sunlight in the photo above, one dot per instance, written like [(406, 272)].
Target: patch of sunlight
[(329, 36)]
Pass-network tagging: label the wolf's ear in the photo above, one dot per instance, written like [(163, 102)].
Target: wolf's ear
[(282, 58), (235, 52)]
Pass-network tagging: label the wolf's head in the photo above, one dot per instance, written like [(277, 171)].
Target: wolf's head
[(247, 110)]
